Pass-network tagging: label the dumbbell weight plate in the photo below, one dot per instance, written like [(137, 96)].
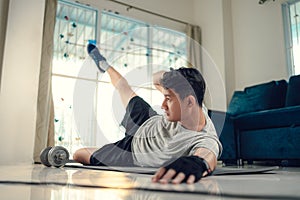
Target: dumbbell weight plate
[(44, 156), (58, 156)]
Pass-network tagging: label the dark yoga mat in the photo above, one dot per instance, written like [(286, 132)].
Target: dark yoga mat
[(146, 170)]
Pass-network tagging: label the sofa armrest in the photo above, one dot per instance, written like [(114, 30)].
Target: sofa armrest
[(225, 128), (218, 119)]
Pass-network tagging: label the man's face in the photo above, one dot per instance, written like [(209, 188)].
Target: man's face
[(171, 105)]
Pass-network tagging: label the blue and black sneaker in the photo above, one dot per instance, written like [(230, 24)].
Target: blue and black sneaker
[(97, 57)]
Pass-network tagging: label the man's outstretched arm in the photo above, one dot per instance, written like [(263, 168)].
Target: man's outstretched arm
[(189, 169)]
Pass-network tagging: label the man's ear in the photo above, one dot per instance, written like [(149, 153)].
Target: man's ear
[(191, 101)]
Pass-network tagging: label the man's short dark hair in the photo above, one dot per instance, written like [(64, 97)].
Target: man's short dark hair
[(185, 82)]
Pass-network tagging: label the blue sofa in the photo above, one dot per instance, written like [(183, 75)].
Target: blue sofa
[(262, 123)]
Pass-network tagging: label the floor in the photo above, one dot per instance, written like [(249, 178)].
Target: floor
[(38, 182)]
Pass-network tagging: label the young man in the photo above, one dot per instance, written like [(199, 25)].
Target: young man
[(183, 142)]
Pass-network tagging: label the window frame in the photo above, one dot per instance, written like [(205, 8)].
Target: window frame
[(288, 37)]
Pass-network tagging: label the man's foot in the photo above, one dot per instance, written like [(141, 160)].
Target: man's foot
[(97, 57)]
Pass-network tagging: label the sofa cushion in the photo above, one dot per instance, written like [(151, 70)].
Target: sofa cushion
[(293, 91), (264, 96), (275, 118)]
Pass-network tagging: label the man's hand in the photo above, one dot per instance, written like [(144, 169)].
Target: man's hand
[(187, 169), (156, 80)]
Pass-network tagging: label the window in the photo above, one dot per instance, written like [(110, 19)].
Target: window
[(88, 111), (291, 12), (75, 25)]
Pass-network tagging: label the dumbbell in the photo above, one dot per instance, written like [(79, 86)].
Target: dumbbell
[(56, 156)]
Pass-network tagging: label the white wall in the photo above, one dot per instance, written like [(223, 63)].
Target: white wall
[(208, 15), (18, 94), (259, 54), (245, 39)]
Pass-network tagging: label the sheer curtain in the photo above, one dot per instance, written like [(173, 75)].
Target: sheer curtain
[(193, 46), (45, 109), (4, 4), (194, 56)]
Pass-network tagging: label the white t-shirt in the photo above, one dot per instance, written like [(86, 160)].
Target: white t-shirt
[(159, 141)]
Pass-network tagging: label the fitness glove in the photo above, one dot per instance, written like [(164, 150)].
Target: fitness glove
[(189, 165)]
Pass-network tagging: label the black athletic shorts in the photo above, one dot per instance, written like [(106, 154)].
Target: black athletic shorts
[(119, 153)]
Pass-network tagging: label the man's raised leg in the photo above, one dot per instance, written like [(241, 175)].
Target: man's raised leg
[(120, 83), (83, 155)]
